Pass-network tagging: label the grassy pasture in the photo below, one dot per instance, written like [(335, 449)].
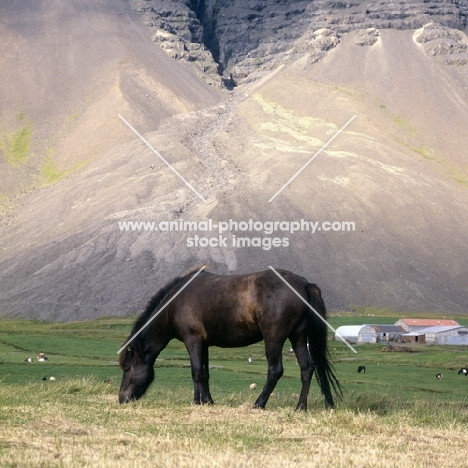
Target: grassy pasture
[(397, 413)]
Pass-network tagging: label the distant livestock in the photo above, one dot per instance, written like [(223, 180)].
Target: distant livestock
[(29, 359), (42, 357), (438, 376), (253, 386), (361, 369), (51, 378), (464, 371)]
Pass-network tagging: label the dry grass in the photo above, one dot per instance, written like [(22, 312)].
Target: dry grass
[(81, 424)]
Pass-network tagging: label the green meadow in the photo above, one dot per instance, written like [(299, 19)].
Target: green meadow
[(79, 350), (395, 410)]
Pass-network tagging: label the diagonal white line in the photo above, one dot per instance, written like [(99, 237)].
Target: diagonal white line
[(313, 310), (161, 157), (312, 158), (161, 309)]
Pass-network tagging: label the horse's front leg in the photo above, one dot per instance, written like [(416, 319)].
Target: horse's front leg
[(198, 352)]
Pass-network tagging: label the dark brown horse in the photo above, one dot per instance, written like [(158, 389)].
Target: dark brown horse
[(229, 312)]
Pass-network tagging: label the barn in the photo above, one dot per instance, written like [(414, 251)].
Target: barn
[(412, 325), (447, 336), (424, 331), (454, 337), (432, 333), (413, 337), (357, 333), (441, 335), (388, 332)]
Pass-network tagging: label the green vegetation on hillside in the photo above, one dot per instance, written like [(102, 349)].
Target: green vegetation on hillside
[(16, 145), (50, 173)]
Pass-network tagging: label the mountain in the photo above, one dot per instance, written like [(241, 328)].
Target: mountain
[(251, 36), (237, 97)]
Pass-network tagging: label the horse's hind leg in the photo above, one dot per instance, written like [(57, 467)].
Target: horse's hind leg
[(275, 371), (198, 352), (206, 395), (299, 344)]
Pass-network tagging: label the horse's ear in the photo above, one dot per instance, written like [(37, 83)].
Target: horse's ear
[(129, 348)]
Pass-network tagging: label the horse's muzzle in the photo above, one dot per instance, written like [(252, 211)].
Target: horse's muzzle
[(125, 399)]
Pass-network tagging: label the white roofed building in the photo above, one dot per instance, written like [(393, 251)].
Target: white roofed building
[(357, 333)]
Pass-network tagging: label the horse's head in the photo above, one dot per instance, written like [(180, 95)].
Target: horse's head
[(138, 373)]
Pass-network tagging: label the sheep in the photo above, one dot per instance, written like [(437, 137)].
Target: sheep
[(42, 357)]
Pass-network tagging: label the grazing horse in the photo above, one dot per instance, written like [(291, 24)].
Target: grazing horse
[(464, 371), (361, 369), (229, 312), (438, 376)]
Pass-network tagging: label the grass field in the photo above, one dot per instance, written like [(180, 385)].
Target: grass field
[(397, 414)]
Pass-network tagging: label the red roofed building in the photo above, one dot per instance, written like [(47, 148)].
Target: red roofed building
[(418, 324)]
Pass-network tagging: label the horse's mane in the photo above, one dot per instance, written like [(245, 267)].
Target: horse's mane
[(154, 303)]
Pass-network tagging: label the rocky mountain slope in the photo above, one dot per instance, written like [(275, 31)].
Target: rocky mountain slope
[(239, 38), (237, 97)]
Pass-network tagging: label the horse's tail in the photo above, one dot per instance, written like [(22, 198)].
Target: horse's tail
[(318, 348)]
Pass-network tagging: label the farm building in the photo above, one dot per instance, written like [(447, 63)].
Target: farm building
[(357, 333), (425, 331), (388, 332), (458, 336), (433, 333), (441, 335), (411, 325), (447, 335), (413, 337)]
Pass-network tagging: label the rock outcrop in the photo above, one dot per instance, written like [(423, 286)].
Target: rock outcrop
[(236, 39), (445, 43)]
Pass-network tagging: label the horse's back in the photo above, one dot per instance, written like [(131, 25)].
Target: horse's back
[(238, 310)]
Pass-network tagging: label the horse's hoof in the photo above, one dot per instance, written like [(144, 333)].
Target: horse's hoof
[(258, 407)]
